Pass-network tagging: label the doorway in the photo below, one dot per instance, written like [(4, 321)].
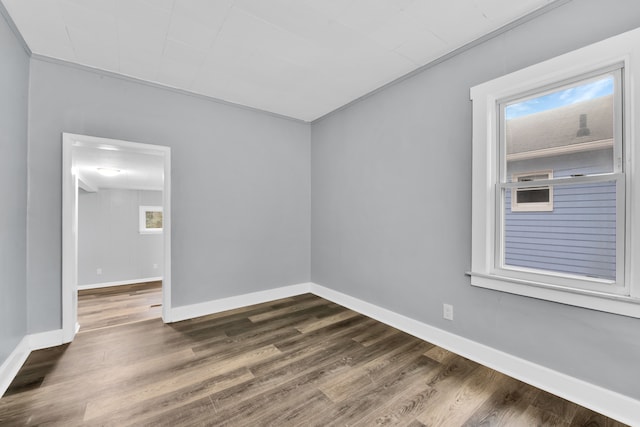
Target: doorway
[(82, 157)]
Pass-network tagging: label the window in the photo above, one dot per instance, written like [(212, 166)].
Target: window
[(553, 197), (532, 199), (150, 219)]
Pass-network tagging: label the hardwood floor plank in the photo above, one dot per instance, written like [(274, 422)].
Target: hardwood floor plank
[(298, 361), (302, 357), (375, 335), (300, 412), (364, 375), (368, 399), (316, 365), (260, 407), (315, 324), (163, 402), (193, 374), (402, 409), (328, 335), (422, 395), (587, 418), (199, 412), (439, 354), (287, 310), (534, 416), (456, 401), (506, 403), (548, 403), (117, 305)]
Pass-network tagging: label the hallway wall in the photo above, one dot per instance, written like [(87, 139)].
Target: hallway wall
[(109, 238), (14, 87)]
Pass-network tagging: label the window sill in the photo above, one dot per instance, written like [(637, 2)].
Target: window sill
[(609, 303), (151, 231)]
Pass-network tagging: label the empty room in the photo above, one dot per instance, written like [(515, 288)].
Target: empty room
[(320, 212)]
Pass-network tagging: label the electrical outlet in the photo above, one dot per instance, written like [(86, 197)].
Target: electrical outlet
[(155, 265), (98, 271), (447, 311)]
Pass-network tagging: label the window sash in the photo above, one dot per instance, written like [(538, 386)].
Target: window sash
[(564, 180), (619, 286), (615, 70), (503, 183)]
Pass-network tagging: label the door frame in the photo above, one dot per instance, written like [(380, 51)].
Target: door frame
[(70, 222)]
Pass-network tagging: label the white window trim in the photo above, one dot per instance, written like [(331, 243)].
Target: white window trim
[(622, 49), (143, 220), (531, 206)]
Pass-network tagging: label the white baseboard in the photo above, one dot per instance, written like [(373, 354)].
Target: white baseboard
[(118, 283), (10, 367), (599, 399), (216, 306), (45, 339), (18, 356)]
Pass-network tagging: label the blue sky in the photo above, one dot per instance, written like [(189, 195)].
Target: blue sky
[(591, 90)]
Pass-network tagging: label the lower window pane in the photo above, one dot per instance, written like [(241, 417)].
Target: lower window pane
[(578, 237)]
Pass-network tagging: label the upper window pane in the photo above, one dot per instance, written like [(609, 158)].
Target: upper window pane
[(568, 130)]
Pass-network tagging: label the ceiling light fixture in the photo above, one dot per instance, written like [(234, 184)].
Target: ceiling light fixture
[(108, 171)]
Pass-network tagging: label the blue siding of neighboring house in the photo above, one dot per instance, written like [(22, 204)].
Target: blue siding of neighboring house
[(577, 237)]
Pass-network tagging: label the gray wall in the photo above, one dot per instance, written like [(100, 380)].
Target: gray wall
[(391, 206), (109, 237), (14, 89), (240, 184)]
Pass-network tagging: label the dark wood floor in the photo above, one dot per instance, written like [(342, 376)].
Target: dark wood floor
[(300, 361), (119, 305)]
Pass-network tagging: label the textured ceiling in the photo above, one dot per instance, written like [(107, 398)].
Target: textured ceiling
[(298, 58)]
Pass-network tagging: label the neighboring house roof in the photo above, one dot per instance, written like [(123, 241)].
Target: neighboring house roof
[(582, 126)]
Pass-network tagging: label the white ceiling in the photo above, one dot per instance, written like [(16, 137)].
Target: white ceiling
[(298, 58), (138, 171)]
